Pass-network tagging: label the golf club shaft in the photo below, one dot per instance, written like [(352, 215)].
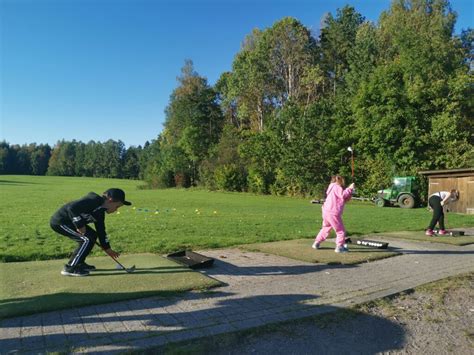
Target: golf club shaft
[(123, 267), (352, 158), (352, 161)]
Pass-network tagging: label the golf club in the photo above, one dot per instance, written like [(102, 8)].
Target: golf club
[(352, 161), (130, 270)]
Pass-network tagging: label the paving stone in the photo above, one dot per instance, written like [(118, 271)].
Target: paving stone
[(150, 342), (55, 341), (219, 329), (248, 323), (167, 320), (32, 343), (12, 345), (184, 335), (9, 333), (95, 330)]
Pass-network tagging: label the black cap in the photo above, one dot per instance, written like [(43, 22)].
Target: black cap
[(117, 195)]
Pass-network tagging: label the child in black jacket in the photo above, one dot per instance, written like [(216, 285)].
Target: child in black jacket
[(71, 221)]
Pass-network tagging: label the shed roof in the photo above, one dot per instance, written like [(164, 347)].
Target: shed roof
[(449, 172)]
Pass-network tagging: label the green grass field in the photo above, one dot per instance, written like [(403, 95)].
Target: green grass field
[(162, 221)]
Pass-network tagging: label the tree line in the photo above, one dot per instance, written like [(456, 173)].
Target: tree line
[(399, 92), (94, 159)]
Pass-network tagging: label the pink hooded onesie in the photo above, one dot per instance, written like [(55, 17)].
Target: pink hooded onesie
[(333, 208)]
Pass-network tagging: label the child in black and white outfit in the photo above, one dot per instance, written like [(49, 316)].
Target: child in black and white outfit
[(439, 202), (72, 220)]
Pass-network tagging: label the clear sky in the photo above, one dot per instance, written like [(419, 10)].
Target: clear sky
[(104, 69)]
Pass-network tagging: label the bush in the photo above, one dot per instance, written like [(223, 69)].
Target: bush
[(182, 180), (162, 179), (259, 182), (206, 174), (231, 177)]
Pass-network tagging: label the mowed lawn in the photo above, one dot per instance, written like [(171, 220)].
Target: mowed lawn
[(162, 221)]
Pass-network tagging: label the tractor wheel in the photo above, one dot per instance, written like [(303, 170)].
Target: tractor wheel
[(380, 202), (406, 201)]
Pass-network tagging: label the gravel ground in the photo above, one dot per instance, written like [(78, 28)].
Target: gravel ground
[(433, 319)]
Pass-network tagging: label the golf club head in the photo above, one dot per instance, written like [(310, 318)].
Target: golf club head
[(130, 270)]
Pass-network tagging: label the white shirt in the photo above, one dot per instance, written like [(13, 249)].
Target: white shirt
[(442, 194), (445, 196)]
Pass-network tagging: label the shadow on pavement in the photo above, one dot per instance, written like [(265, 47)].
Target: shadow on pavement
[(440, 252), (342, 332), (136, 325), (226, 268)]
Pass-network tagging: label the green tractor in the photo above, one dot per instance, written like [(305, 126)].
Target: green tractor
[(404, 193)]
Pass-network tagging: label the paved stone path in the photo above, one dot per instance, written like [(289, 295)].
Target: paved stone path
[(260, 289)]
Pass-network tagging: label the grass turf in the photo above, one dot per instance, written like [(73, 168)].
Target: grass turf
[(300, 249), (162, 221), (421, 237), (38, 286)]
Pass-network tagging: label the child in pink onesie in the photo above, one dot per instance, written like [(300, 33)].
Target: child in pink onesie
[(333, 208)]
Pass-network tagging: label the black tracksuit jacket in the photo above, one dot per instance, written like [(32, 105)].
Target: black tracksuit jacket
[(84, 211)]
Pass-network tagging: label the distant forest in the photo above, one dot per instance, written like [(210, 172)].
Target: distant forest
[(399, 92)]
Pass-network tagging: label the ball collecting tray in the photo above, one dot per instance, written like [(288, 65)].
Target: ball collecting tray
[(372, 243), (456, 233), (191, 259)]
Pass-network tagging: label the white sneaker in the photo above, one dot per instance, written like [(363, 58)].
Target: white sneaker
[(341, 249), (316, 245)]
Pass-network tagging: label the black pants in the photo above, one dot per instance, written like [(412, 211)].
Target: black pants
[(438, 214), (85, 242)]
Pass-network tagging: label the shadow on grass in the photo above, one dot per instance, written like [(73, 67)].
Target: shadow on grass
[(11, 258), (142, 271), (10, 182), (154, 323)]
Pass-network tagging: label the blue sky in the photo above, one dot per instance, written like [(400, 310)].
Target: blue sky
[(104, 69)]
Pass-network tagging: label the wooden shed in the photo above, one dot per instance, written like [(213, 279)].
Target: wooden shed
[(459, 179)]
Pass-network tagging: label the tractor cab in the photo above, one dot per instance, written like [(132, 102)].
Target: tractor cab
[(403, 192)]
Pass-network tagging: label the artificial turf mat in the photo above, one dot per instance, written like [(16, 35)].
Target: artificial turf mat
[(38, 286), (420, 236), (300, 249)]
